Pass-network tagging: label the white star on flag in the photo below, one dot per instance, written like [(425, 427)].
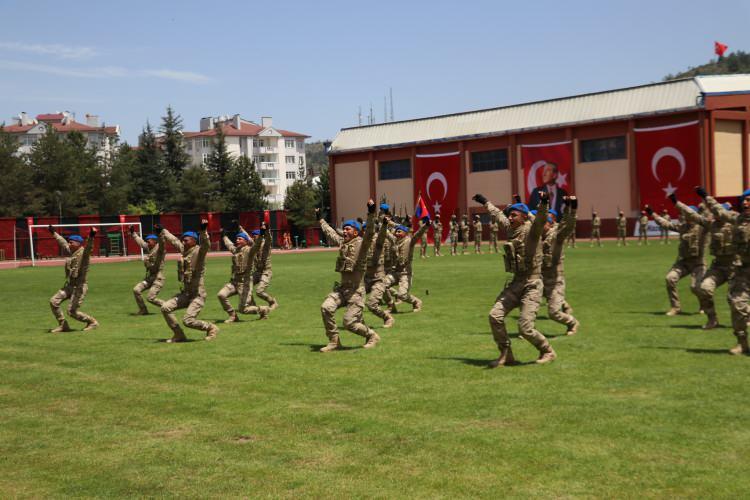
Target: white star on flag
[(436, 207), (562, 180), (669, 190)]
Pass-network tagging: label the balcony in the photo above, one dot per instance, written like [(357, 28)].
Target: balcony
[(264, 150), (275, 198), (269, 176), (268, 165)]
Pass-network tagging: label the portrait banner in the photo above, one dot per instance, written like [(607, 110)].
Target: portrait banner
[(547, 167)]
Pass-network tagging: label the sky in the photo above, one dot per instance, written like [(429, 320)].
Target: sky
[(311, 65)]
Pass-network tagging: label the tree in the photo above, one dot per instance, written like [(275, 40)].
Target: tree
[(316, 158), (300, 203), (174, 156), (16, 188), (244, 188), (193, 191), (323, 189), (49, 160), (87, 187), (736, 62), (151, 181), (218, 164), (118, 181)]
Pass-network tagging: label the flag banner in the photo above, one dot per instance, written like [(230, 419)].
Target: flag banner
[(668, 161), (436, 177), (546, 168), (720, 48), (420, 211)]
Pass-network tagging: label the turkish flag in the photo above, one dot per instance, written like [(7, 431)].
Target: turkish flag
[(436, 179), (546, 167), (668, 161), (720, 48)]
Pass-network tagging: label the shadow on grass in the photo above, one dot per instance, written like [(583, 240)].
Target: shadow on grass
[(318, 347), (482, 363), (723, 352), (164, 341), (688, 327), (657, 313)]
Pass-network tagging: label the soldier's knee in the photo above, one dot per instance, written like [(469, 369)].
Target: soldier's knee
[(350, 320), (166, 308), (137, 289), (525, 324), (671, 279)]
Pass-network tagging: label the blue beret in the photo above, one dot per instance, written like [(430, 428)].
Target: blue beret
[(746, 193), (520, 207), (255, 232), (693, 208), (353, 224), (243, 235), (552, 211), (75, 237), (151, 237), (385, 207), (192, 234), (550, 218), (403, 228), (532, 212), (727, 205)]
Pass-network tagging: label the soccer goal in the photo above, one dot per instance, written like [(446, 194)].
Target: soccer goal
[(121, 225)]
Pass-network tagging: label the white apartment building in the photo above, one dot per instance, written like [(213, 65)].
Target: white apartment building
[(278, 154), (28, 130)]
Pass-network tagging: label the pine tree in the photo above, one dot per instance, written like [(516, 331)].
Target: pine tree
[(16, 188), (118, 181), (218, 164), (300, 202), (53, 177), (174, 156), (193, 193), (151, 181), (323, 190), (244, 188), (87, 187)]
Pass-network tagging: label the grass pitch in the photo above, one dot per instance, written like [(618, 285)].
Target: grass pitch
[(637, 404)]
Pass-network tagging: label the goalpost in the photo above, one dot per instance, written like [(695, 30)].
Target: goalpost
[(121, 225)]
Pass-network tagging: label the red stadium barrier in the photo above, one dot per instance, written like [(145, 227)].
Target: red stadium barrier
[(7, 237), (45, 245)]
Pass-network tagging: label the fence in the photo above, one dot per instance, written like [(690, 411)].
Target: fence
[(112, 240)]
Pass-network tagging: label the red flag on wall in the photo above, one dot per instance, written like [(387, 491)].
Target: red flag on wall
[(546, 167), (668, 161), (720, 48), (436, 176)]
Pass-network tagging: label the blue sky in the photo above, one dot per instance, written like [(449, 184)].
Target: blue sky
[(310, 65)]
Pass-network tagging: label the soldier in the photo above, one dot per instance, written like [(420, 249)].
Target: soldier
[(193, 294), (622, 229), (423, 246), (350, 291), (154, 262), (596, 225), (643, 228), (405, 254), (240, 282), (739, 282), (437, 236), (477, 234), (689, 257), (262, 273), (494, 228), (454, 227), (464, 233), (572, 239), (553, 240), (664, 232), (377, 280), (724, 251), (523, 258), (75, 288)]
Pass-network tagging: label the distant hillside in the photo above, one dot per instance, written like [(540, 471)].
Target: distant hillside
[(736, 62), (316, 157)]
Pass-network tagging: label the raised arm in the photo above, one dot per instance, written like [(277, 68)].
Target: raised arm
[(420, 232), (62, 242), (568, 223), (502, 220), (369, 234), (137, 237), (172, 239), (228, 243), (541, 217), (380, 239), (331, 235), (691, 215)]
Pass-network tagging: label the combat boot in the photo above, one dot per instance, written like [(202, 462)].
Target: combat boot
[(91, 325), (264, 311), (417, 306), (389, 321), (142, 312), (64, 327), (232, 318), (177, 336), (741, 348), (274, 305), (372, 339), (546, 354), (333, 344), (506, 358), (712, 322), (673, 311), (212, 332), (567, 309), (573, 329)]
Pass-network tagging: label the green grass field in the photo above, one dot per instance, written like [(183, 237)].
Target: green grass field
[(637, 404)]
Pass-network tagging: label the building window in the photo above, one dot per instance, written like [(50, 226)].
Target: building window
[(256, 159), (257, 143), (189, 145), (484, 161), (289, 143), (302, 160), (205, 158), (29, 140), (609, 148), (206, 142), (290, 176), (394, 169), (290, 160)]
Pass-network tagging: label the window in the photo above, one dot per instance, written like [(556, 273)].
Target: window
[(394, 169), (291, 176), (189, 145), (257, 143), (301, 160), (290, 160), (256, 159), (205, 158), (484, 161), (206, 142), (29, 140), (609, 148), (289, 143)]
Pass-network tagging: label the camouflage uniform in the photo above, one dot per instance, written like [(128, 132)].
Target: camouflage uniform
[(477, 236), (437, 236), (663, 232), (596, 226), (262, 275), (454, 226), (553, 275), (622, 230), (643, 230), (377, 281), (240, 281), (464, 234), (192, 267), (403, 270), (494, 228), (75, 287), (423, 246), (350, 292), (689, 259), (154, 280), (523, 258)]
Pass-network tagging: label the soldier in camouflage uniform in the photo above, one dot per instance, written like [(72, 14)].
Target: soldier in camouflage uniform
[(596, 226), (423, 246), (240, 282), (437, 236), (405, 254), (377, 281), (77, 257), (622, 229), (689, 258), (553, 275), (154, 262), (454, 227), (643, 228), (523, 258), (193, 294), (477, 234), (664, 232), (494, 228), (464, 226), (739, 282), (350, 292), (262, 274)]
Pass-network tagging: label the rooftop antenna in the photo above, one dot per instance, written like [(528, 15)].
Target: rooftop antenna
[(359, 116), (391, 92), (385, 109), (371, 118)]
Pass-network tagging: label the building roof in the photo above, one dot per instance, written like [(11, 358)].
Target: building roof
[(247, 129), (50, 117), (62, 128), (676, 95)]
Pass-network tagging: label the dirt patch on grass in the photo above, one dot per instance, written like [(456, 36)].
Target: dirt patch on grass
[(244, 439), (175, 433)]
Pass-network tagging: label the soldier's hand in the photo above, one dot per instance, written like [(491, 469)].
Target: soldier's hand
[(263, 227), (673, 198), (426, 221), (51, 228), (370, 206), (235, 224), (360, 220), (158, 228), (92, 232), (701, 191), (204, 224), (317, 212), (481, 199), (573, 202), (516, 198), (131, 229), (649, 210)]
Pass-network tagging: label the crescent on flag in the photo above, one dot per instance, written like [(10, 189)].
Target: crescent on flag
[(437, 176), (531, 178), (663, 152)]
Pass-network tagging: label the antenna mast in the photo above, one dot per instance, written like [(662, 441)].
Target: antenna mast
[(391, 92)]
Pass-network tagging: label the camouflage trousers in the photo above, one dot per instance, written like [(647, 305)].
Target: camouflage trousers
[(376, 289), (554, 292), (465, 243), (739, 300), (526, 294), (404, 288), (695, 268), (75, 294), (454, 244), (477, 245), (436, 247), (244, 290), (261, 282), (596, 235), (423, 247), (642, 235), (194, 304), (354, 302), (664, 235), (717, 275), (493, 243), (622, 236), (153, 284)]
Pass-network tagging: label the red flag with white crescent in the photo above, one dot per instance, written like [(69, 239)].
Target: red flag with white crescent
[(668, 161), (546, 167), (720, 48), (436, 177)]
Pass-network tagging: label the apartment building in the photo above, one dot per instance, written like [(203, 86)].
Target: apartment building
[(29, 130), (278, 154)]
